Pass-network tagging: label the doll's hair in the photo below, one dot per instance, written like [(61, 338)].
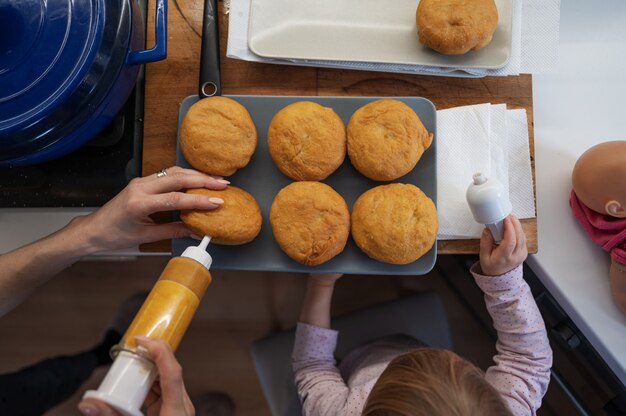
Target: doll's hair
[(432, 382)]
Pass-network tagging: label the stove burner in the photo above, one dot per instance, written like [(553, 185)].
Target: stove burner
[(91, 175)]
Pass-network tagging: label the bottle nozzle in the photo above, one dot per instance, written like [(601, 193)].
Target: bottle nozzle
[(479, 178), (205, 242), (199, 253)]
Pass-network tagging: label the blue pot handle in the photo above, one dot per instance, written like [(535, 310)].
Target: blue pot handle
[(159, 51)]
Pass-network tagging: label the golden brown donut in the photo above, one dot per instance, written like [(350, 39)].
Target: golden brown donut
[(386, 139), (307, 141), (454, 27), (237, 221), (310, 222), (394, 223), (217, 136)]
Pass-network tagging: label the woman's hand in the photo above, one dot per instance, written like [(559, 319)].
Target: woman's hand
[(510, 253), (168, 396), (125, 220), (122, 222)]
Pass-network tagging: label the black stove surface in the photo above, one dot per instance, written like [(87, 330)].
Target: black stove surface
[(92, 174), (89, 176)]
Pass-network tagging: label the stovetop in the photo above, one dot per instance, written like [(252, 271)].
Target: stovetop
[(89, 176)]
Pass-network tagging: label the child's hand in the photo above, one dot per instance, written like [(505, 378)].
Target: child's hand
[(324, 279), (499, 259)]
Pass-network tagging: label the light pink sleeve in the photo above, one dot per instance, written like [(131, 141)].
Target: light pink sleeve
[(320, 386), (524, 358)]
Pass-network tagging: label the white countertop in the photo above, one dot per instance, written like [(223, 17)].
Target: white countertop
[(581, 105), (21, 226)]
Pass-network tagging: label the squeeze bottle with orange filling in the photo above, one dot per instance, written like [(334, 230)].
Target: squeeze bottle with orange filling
[(165, 314)]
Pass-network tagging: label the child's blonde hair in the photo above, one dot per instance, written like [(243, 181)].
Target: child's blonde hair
[(433, 382)]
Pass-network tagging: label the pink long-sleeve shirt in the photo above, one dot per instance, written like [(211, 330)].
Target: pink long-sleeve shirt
[(521, 373)]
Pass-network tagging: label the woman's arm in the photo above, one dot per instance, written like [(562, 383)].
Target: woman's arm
[(122, 222)]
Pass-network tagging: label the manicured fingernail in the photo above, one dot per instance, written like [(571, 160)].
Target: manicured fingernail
[(195, 236), (216, 177), (88, 409), (218, 201), (224, 181)]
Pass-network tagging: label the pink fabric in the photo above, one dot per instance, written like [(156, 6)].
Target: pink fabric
[(606, 231)]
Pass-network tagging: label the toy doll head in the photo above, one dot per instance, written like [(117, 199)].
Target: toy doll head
[(599, 178)]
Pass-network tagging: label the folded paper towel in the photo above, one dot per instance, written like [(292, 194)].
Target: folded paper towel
[(535, 29), (480, 138)]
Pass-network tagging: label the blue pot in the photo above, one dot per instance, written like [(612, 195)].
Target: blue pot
[(66, 69)]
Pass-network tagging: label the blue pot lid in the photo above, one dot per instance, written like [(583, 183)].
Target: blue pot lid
[(46, 49)]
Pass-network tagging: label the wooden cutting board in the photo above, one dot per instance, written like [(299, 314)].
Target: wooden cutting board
[(169, 81)]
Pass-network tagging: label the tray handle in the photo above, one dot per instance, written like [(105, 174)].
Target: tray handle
[(210, 52)]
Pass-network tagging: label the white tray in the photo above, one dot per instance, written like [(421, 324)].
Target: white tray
[(361, 31)]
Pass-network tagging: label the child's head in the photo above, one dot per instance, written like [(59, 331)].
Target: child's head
[(433, 382)]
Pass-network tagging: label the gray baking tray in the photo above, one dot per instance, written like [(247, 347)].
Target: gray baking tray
[(263, 180)]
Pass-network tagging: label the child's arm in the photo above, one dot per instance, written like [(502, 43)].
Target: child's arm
[(524, 358), (320, 386), (319, 294)]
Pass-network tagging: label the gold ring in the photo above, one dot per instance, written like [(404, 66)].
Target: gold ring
[(161, 173)]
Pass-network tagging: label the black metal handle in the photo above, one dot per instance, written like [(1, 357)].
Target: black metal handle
[(210, 52)]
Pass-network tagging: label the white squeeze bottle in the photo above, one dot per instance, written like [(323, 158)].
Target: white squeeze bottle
[(165, 315), (489, 204)]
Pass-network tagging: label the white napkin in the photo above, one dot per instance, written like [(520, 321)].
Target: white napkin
[(520, 173), (480, 138), (463, 148), (534, 44)]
